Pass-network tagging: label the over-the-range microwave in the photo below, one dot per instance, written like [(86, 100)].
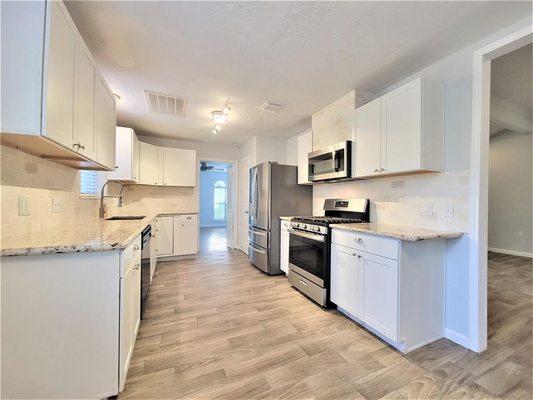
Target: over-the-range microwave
[(331, 163)]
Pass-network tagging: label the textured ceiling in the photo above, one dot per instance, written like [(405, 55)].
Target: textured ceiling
[(301, 54)]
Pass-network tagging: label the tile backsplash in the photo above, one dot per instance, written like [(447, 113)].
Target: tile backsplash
[(404, 200), (39, 180)]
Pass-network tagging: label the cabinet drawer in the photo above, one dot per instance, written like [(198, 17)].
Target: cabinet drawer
[(130, 255), (385, 247), (188, 218)]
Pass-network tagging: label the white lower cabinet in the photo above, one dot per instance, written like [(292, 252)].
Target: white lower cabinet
[(284, 247), (379, 276), (344, 284), (393, 288), (130, 306), (176, 235), (164, 228)]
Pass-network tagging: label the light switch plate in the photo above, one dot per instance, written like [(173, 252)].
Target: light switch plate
[(24, 206), (57, 204)]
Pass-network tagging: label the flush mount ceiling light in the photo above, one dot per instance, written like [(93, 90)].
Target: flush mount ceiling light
[(220, 117)]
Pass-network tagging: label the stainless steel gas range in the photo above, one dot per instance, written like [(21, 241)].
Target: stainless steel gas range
[(310, 242)]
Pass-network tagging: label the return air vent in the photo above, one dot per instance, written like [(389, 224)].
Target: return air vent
[(271, 106), (165, 104)]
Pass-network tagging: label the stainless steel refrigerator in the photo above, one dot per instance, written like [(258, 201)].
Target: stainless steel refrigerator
[(274, 192)]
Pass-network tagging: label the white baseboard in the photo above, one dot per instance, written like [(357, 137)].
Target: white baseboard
[(456, 337), (511, 252)]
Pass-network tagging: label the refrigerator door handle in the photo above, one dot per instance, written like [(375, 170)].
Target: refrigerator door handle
[(256, 193)]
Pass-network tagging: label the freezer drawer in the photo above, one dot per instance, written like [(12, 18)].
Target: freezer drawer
[(259, 257), (258, 237)]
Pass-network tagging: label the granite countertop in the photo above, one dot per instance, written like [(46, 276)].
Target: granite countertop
[(398, 232), (99, 235)]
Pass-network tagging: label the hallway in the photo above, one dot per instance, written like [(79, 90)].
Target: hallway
[(212, 239)]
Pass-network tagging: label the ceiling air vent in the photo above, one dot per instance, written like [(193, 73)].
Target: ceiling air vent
[(165, 104), (271, 106)]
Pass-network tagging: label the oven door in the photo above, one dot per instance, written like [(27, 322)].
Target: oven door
[(308, 255)]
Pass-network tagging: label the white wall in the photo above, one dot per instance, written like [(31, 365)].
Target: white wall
[(510, 193), (262, 149)]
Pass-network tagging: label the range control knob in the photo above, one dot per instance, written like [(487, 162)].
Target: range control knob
[(317, 229), (304, 226), (296, 225)]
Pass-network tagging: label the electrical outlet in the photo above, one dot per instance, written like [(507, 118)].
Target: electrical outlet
[(24, 206), (449, 212), (428, 209), (57, 204)]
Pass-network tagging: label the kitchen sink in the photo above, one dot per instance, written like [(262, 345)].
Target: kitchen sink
[(125, 217)]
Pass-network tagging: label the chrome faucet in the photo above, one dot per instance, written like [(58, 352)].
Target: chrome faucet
[(119, 197)]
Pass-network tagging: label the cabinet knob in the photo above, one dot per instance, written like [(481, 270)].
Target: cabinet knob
[(382, 169), (354, 254), (376, 170), (135, 247), (137, 266), (358, 240), (116, 166), (82, 146)]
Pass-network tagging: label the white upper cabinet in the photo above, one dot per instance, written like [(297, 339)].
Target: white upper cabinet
[(166, 166), (367, 146), (58, 121), (54, 100), (334, 123), (127, 156), (305, 146), (149, 164), (85, 140), (401, 132), (179, 167)]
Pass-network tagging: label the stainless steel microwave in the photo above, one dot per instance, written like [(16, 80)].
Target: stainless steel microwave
[(331, 162)]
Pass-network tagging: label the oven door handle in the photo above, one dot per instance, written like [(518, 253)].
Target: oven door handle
[(312, 236)]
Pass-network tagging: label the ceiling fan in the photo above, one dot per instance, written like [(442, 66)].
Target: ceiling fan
[(205, 167)]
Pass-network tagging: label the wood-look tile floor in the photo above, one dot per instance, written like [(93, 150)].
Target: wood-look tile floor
[(216, 327)]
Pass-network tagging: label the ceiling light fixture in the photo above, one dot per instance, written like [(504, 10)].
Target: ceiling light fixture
[(220, 117)]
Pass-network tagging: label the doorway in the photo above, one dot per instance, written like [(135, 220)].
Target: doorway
[(479, 175), (216, 206), (510, 210)]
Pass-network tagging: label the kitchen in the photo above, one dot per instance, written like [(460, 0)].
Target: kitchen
[(107, 292)]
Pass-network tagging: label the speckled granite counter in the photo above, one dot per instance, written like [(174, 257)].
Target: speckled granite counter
[(100, 235), (398, 232)]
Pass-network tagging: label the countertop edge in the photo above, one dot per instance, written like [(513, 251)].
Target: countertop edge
[(408, 237), (87, 247)]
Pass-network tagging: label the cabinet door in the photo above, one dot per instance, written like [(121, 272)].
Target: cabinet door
[(305, 146), (58, 116), (105, 124), (148, 164), (123, 170), (344, 284), (367, 139), (179, 167), (380, 294), (186, 238), (164, 236), (284, 251), (136, 163), (85, 75), (129, 307), (401, 118)]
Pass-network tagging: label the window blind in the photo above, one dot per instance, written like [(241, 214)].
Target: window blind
[(88, 182)]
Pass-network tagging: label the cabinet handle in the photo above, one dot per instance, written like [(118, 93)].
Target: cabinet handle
[(135, 247), (360, 256), (116, 166), (382, 169), (76, 146), (302, 282), (82, 146), (358, 240), (137, 266), (354, 254)]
